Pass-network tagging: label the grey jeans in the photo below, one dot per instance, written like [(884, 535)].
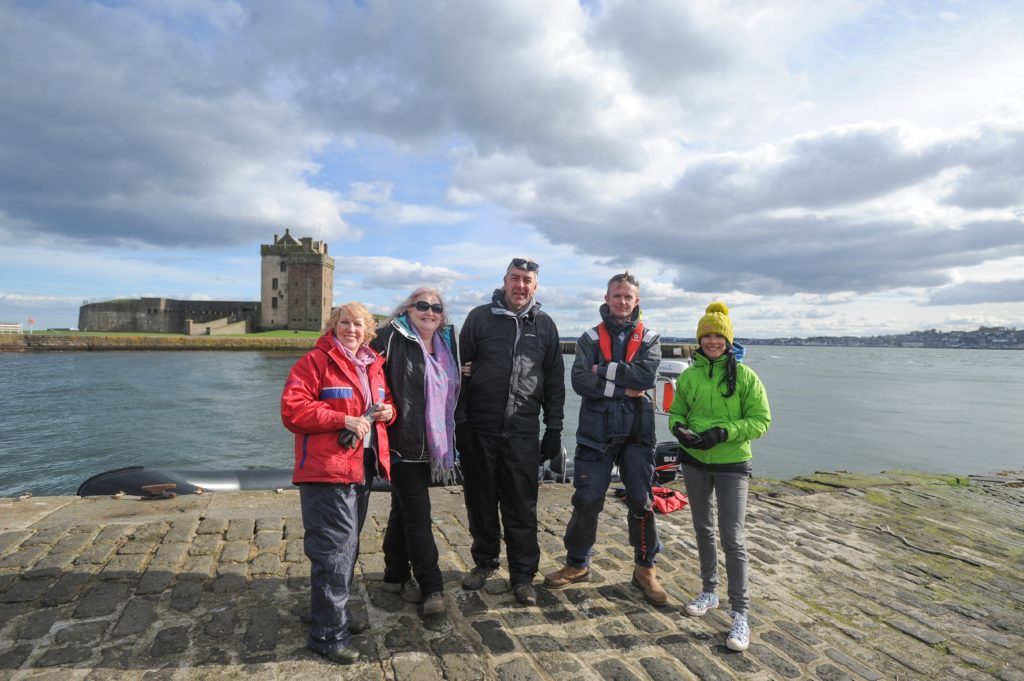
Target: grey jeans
[(730, 491)]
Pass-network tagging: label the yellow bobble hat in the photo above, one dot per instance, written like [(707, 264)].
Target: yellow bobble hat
[(715, 320)]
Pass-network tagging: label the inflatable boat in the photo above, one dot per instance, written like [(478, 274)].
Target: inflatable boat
[(145, 482)]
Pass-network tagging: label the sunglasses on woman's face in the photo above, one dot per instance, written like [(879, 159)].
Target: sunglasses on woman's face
[(423, 306)]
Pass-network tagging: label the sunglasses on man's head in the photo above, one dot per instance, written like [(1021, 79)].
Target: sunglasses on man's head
[(626, 277), (525, 264), (423, 306)]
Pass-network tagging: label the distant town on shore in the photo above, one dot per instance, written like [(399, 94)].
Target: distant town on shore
[(984, 338)]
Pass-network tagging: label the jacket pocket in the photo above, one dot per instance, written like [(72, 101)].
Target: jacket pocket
[(618, 418)]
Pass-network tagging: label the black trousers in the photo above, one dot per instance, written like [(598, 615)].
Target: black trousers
[(409, 538), (592, 469), (500, 477), (332, 516)]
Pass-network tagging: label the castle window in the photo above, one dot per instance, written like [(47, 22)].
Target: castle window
[(273, 303), (273, 283), (284, 266)]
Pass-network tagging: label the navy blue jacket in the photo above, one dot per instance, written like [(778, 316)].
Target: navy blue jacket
[(606, 414)]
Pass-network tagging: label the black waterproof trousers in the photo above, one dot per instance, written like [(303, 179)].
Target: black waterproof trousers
[(332, 516), (592, 469), (500, 475), (409, 537)]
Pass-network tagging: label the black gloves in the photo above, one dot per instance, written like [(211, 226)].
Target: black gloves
[(347, 439), (686, 437), (713, 436), (465, 439), (550, 445), (705, 440)]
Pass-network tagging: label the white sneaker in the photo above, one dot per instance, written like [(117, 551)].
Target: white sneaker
[(739, 636), (708, 600)]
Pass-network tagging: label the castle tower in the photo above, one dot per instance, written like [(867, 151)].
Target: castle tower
[(296, 284)]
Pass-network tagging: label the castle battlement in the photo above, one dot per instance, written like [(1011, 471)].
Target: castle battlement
[(296, 284)]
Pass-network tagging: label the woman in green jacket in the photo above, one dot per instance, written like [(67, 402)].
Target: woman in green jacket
[(720, 406)]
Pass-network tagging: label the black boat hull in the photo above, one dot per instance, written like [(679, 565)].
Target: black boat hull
[(131, 479)]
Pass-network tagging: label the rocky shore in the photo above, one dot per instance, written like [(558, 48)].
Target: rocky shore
[(895, 576)]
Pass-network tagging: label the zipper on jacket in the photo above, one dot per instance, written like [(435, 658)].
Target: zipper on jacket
[(305, 450)]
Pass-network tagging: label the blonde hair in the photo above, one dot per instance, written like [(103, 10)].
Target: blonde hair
[(353, 310), (404, 306)]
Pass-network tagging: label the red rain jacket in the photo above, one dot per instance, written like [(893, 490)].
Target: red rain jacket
[(321, 390)]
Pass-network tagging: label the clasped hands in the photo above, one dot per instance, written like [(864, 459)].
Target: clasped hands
[(356, 427), (703, 440)]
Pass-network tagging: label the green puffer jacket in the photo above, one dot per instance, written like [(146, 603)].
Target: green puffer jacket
[(698, 403)]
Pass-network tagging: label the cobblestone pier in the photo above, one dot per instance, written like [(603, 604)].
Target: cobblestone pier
[(896, 576)]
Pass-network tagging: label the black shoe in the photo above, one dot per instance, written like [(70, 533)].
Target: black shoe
[(524, 593), (342, 655), (476, 578), (433, 604), (409, 590)]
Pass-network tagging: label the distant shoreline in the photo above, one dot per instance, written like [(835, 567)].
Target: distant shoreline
[(671, 348), (72, 342)]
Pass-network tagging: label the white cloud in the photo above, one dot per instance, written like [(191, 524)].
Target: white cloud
[(393, 273), (790, 155), (37, 301), (969, 293)]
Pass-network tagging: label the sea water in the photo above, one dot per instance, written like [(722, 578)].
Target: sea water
[(67, 416)]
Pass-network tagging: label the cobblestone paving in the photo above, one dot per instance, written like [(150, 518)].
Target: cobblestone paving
[(900, 576)]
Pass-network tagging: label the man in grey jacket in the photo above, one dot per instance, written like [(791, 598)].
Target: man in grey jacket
[(616, 363), (514, 357)]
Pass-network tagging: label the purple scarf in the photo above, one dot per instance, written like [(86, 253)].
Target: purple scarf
[(361, 358), (441, 387)]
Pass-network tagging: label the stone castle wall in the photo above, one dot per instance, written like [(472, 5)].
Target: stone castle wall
[(296, 293), (162, 315)]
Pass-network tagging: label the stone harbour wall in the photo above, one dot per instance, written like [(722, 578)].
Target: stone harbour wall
[(895, 576)]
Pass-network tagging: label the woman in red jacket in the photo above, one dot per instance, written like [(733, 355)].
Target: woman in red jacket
[(337, 403)]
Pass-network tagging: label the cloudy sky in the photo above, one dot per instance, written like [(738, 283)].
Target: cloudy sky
[(824, 166)]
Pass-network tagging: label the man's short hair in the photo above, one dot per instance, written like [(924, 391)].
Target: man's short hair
[(626, 277)]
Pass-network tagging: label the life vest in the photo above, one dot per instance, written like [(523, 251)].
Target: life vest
[(667, 500), (604, 341)]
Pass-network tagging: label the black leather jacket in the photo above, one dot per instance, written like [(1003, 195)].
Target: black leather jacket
[(404, 371), (517, 370)]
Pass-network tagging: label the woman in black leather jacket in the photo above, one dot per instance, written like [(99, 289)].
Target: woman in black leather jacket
[(422, 370)]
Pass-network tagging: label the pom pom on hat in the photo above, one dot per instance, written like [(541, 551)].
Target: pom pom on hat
[(715, 320)]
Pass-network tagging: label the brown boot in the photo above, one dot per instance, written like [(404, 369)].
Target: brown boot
[(647, 581), (563, 577)]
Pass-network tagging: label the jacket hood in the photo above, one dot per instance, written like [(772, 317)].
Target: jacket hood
[(613, 324), (403, 326)]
